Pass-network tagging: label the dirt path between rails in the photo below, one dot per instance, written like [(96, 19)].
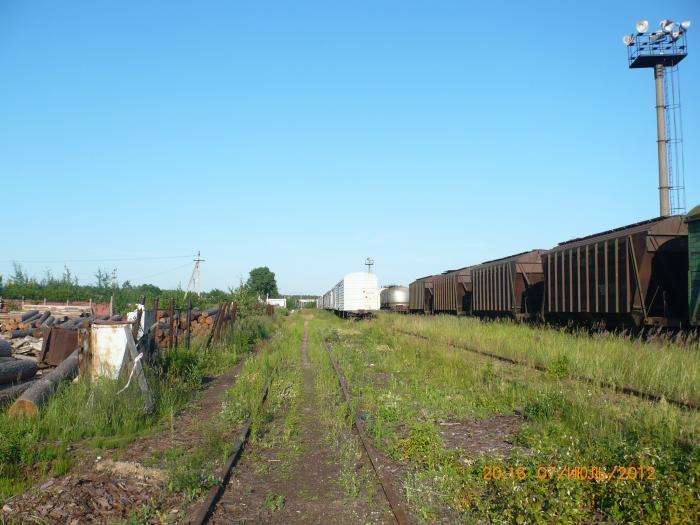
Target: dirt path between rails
[(261, 490), (109, 485)]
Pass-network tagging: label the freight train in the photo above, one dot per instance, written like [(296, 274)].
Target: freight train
[(355, 295), (640, 275)]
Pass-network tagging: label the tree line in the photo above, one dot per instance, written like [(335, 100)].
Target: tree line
[(261, 283)]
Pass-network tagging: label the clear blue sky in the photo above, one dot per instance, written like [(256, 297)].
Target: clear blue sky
[(307, 135)]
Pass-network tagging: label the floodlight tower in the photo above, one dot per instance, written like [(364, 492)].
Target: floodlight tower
[(661, 50)]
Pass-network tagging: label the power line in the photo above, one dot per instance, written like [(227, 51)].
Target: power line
[(159, 273), (115, 259)]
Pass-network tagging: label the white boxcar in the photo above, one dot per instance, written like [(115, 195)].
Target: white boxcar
[(356, 294)]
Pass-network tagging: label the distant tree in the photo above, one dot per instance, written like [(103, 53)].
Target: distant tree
[(126, 285), (103, 278), (262, 282), (218, 296), (18, 277), (245, 298), (68, 278)]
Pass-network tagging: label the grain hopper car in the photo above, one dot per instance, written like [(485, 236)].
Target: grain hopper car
[(452, 292), (509, 287), (420, 295), (630, 276)]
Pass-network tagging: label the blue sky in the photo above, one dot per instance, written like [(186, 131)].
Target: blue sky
[(306, 136)]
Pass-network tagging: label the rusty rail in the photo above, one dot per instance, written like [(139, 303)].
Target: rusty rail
[(204, 511), (376, 458), (597, 382)]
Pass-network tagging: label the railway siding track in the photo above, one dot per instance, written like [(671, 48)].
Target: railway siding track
[(621, 389), (203, 512), (208, 511), (377, 459)]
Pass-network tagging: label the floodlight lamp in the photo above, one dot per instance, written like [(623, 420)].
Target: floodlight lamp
[(685, 25), (675, 35), (656, 36), (642, 26), (628, 40), (666, 25)]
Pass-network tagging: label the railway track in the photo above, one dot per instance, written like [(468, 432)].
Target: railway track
[(207, 509), (203, 512), (603, 384), (378, 461)]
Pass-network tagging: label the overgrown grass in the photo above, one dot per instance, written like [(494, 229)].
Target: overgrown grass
[(94, 413), (660, 368), (406, 387), (193, 471), (336, 416)]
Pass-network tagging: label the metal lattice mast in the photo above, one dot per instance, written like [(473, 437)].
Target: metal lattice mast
[(674, 140), (194, 284), (369, 262)]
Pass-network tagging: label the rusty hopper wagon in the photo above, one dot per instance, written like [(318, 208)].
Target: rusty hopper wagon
[(630, 276), (420, 295), (509, 287), (452, 292)]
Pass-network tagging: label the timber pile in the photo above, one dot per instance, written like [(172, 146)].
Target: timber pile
[(201, 323), (16, 375), (41, 390), (21, 345), (22, 324)]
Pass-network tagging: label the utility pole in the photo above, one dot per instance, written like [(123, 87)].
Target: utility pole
[(194, 284)]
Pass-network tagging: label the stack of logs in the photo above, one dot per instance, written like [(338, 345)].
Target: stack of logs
[(201, 323), (16, 375), (22, 324)]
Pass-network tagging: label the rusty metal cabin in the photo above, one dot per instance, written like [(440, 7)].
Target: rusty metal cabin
[(509, 287), (420, 295), (634, 275), (452, 292)]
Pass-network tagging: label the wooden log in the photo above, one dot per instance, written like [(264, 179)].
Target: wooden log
[(17, 370), (5, 348), (11, 392), (68, 323), (195, 316), (28, 315), (84, 322), (51, 320), (31, 320), (210, 313), (14, 334), (36, 395), (42, 318)]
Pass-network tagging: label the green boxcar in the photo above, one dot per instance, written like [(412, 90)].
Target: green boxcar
[(693, 220)]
